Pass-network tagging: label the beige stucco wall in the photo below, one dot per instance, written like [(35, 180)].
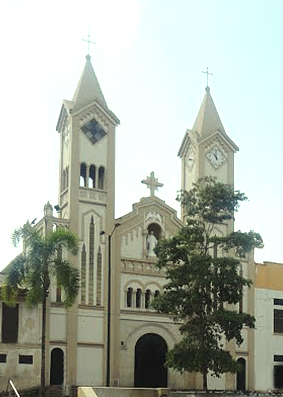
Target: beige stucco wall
[(89, 366), (29, 333), (90, 326)]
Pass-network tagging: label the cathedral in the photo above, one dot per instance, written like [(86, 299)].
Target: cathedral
[(111, 336)]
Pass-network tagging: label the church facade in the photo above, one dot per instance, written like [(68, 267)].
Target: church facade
[(111, 336)]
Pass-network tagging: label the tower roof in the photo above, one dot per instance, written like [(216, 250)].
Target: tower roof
[(208, 120), (88, 88)]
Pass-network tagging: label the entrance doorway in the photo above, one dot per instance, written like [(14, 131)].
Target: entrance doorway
[(241, 375), (150, 356), (278, 376), (57, 367)]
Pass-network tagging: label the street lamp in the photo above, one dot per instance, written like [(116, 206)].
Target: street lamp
[(109, 305)]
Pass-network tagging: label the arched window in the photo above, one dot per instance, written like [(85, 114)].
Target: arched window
[(101, 174), (98, 277), (67, 177), (138, 298), (241, 300), (58, 286), (147, 298), (63, 187), (83, 274), (91, 261), (83, 175), (91, 177), (129, 297)]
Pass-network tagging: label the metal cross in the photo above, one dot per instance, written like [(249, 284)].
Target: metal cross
[(207, 73), (88, 42), (152, 183)]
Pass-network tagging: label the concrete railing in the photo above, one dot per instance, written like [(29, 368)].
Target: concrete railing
[(122, 392)]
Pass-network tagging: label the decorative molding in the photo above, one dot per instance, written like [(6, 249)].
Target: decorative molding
[(93, 112), (216, 141), (154, 215), (90, 344), (141, 267), (92, 195)]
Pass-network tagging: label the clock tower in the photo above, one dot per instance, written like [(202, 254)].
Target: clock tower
[(206, 149)]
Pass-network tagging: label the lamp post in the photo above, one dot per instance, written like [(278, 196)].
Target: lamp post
[(109, 305)]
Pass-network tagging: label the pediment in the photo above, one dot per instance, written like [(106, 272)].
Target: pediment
[(149, 214), (219, 136)]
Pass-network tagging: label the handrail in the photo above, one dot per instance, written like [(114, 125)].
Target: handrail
[(14, 388)]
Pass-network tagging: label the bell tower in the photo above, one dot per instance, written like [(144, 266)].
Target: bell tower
[(206, 149), (87, 152), (87, 200)]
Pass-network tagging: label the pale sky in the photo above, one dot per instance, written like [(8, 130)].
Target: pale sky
[(148, 57)]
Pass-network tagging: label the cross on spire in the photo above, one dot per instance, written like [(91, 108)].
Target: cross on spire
[(207, 73), (88, 42), (152, 183)]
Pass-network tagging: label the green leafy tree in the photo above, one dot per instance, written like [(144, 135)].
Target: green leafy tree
[(33, 269), (203, 286)]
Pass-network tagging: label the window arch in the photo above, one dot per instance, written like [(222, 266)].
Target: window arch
[(147, 298), (241, 300), (83, 175), (63, 182), (91, 261), (91, 176), (138, 298), (129, 297), (83, 274), (98, 277), (67, 178), (101, 177)]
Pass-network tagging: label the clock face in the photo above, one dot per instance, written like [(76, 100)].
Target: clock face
[(191, 157), (216, 157)]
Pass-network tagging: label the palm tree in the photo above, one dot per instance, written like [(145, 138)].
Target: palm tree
[(32, 270)]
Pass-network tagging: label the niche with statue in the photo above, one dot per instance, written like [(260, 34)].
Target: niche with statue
[(153, 235)]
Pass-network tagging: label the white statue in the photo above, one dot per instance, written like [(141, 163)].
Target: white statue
[(151, 244)]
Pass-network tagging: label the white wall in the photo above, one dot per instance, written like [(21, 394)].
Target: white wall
[(267, 344)]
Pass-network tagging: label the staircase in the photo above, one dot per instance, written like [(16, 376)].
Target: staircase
[(54, 391)]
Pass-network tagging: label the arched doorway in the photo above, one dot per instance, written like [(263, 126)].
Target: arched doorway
[(241, 375), (150, 355), (57, 367)]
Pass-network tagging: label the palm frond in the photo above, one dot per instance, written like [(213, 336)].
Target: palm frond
[(63, 238), (16, 272), (68, 277), (22, 233), (9, 295)]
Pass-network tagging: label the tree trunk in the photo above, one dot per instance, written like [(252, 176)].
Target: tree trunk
[(43, 321), (204, 380)]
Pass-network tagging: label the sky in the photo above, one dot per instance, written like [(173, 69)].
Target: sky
[(148, 57)]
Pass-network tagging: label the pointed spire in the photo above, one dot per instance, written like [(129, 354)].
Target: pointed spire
[(208, 120), (88, 88)]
